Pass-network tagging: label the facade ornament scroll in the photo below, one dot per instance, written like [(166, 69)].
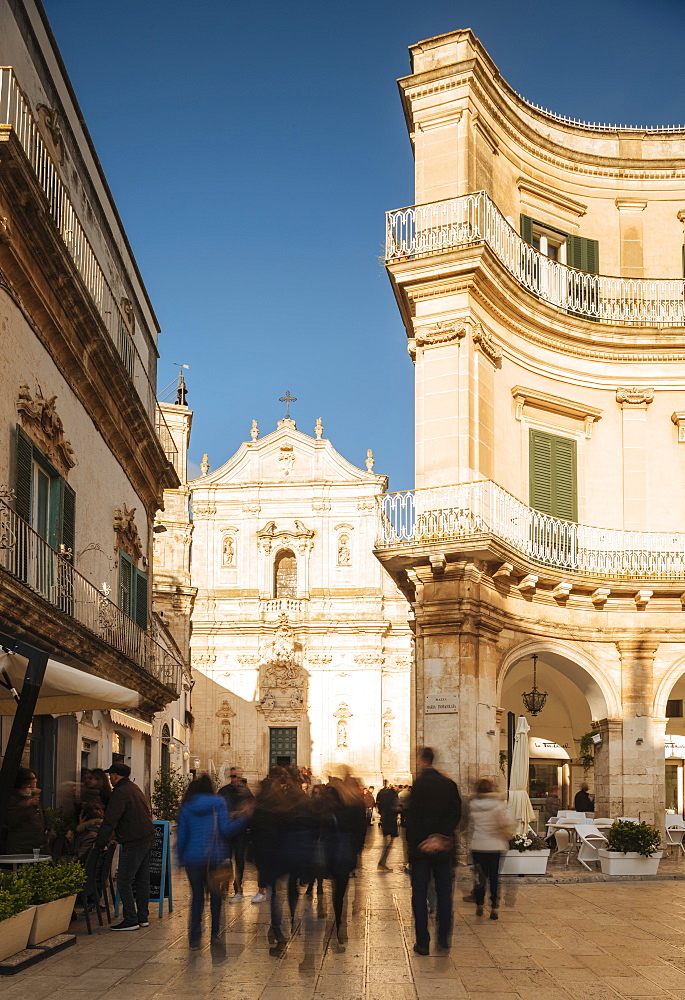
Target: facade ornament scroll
[(440, 333), (634, 396), (40, 419), (49, 119), (127, 537), (487, 345), (203, 510)]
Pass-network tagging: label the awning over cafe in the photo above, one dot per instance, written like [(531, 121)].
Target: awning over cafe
[(540, 749), (64, 689)]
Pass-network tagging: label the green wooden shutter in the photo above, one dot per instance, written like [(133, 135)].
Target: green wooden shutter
[(582, 253), (125, 583), (540, 465), (527, 229), (140, 605), (68, 522), (553, 477), (24, 475)]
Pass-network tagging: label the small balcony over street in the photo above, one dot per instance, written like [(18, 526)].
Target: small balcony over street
[(456, 223), (481, 516), (49, 574)]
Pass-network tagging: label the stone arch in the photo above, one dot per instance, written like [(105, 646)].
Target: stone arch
[(674, 673), (574, 664)]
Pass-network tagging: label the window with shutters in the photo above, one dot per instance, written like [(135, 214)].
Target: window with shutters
[(553, 476), (567, 248), (44, 498), (133, 590)]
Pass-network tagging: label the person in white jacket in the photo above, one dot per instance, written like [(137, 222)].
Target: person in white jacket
[(490, 828)]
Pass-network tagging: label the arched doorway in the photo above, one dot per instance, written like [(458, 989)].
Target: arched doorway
[(674, 749), (574, 700), (165, 757)]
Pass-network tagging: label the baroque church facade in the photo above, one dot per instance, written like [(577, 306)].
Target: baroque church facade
[(300, 644)]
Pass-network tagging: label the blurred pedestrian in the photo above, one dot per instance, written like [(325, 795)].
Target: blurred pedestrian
[(349, 826), (24, 823), (582, 801), (203, 845), (490, 828), (433, 814), (87, 829), (237, 795), (388, 805)]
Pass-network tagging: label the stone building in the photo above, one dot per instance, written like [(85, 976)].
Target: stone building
[(81, 461), (300, 644), (540, 281)]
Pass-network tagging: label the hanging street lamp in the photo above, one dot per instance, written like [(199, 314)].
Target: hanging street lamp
[(534, 700)]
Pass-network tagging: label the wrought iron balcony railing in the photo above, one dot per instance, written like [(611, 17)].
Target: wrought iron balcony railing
[(15, 112), (457, 222), (452, 513), (28, 558)]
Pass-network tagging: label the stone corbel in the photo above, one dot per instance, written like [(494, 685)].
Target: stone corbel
[(643, 597), (504, 571), (599, 596), (529, 583), (438, 563), (487, 346), (678, 419), (562, 591)]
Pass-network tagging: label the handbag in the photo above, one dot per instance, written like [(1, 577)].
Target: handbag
[(219, 876)]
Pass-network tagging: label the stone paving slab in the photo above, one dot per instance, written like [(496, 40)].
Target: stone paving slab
[(571, 937)]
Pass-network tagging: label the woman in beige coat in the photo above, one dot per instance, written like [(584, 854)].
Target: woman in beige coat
[(490, 828)]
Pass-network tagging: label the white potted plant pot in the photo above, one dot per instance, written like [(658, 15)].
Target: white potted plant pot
[(524, 862), (51, 918), (14, 933), (628, 863)]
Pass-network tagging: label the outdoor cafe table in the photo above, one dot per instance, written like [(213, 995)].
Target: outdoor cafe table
[(14, 860)]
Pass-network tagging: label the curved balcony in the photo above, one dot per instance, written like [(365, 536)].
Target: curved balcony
[(458, 222), (451, 513)]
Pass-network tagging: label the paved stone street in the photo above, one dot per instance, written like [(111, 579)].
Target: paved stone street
[(557, 941)]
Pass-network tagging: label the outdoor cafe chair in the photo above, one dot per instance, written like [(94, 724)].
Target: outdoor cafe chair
[(675, 831), (564, 845), (591, 839)]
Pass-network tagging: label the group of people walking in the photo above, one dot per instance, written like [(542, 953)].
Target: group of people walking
[(300, 835)]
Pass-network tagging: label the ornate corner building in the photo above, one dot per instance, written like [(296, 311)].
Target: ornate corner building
[(539, 277), (300, 645)]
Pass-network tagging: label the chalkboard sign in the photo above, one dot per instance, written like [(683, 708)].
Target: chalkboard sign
[(160, 869)]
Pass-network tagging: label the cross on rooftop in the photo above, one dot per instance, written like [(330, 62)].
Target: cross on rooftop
[(287, 399)]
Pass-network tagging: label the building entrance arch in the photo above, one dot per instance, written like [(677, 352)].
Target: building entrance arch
[(577, 696)]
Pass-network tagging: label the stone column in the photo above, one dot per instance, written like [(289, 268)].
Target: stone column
[(609, 768), (643, 735)]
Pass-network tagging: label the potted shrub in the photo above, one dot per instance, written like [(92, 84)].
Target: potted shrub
[(53, 890), (632, 849), (16, 915), (527, 855)]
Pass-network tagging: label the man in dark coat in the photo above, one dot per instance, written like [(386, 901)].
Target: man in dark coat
[(388, 805), (236, 795), (129, 818), (432, 816)]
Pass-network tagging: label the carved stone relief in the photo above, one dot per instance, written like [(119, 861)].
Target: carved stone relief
[(299, 537), (40, 419), (487, 345), (634, 396), (127, 537), (282, 679), (286, 459)]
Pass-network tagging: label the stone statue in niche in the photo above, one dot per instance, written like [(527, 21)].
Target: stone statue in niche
[(387, 736), (226, 733), (342, 732), (229, 550), (344, 558)]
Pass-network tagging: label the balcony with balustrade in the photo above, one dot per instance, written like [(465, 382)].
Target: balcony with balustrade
[(481, 521), (46, 601), (419, 232)]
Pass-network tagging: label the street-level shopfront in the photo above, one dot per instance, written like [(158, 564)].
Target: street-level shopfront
[(549, 768)]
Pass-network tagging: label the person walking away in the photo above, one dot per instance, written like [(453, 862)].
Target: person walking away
[(348, 841), (236, 795), (369, 803), (388, 805), (129, 819), (433, 814), (24, 823), (490, 828), (582, 802), (205, 831)]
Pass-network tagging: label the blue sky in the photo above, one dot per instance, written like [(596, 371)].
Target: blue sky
[(252, 149)]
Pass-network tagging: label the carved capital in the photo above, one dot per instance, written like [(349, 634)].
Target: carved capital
[(634, 396), (439, 334)]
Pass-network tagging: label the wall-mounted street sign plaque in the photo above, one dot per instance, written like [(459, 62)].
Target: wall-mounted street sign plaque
[(441, 704)]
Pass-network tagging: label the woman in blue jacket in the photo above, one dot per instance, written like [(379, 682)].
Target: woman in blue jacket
[(203, 843)]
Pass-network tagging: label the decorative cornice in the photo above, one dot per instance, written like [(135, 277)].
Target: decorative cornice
[(555, 404), (487, 345), (634, 396), (557, 198), (40, 418)]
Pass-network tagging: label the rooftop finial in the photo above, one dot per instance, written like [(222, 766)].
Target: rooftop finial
[(204, 464), (370, 461), (254, 430), (318, 429), (287, 399), (182, 389)]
